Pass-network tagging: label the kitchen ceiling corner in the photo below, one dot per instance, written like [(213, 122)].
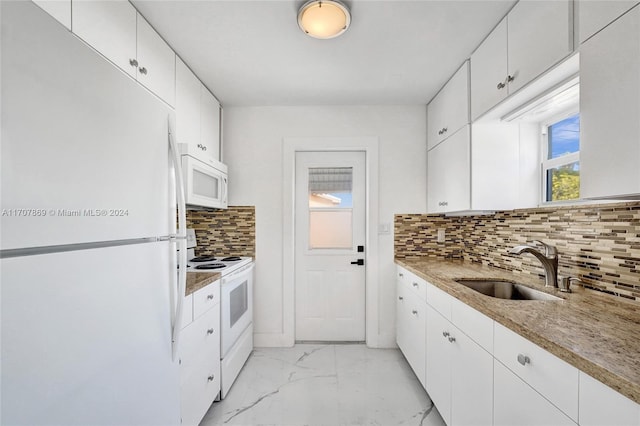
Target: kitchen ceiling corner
[(252, 53)]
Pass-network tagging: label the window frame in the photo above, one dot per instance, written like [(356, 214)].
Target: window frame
[(547, 164)]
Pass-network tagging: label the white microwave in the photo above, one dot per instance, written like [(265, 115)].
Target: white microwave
[(205, 184)]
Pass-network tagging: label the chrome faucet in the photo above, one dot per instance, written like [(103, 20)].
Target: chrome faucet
[(548, 258)]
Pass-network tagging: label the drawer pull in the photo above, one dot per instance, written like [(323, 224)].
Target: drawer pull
[(210, 297), (210, 378), (210, 331), (415, 285), (401, 275), (400, 298), (452, 339), (446, 334), (523, 359), (414, 312)]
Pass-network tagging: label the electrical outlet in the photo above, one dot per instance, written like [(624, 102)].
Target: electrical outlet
[(441, 235)]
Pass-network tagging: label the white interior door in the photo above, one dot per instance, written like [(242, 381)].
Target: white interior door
[(330, 228)]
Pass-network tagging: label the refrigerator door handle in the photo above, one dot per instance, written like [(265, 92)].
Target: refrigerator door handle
[(181, 240)]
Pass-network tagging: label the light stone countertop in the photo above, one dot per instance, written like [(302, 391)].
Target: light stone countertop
[(596, 333), (198, 280)]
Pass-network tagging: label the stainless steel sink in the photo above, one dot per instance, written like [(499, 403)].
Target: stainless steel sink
[(506, 290)]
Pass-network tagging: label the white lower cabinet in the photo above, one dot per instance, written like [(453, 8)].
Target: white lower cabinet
[(438, 363), (552, 377), (200, 355), (478, 372), (601, 405), (459, 374), (515, 403), (411, 322)]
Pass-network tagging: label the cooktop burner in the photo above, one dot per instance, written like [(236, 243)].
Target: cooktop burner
[(211, 266), (230, 259), (203, 259)]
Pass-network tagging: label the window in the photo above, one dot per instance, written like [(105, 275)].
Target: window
[(330, 208), (561, 159)]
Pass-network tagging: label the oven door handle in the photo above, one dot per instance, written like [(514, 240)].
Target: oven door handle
[(237, 272)]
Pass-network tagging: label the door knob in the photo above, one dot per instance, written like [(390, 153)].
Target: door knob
[(358, 262)]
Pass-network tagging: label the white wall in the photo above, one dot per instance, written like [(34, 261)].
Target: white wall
[(253, 151)]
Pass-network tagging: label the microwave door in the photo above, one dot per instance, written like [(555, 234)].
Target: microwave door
[(204, 184)]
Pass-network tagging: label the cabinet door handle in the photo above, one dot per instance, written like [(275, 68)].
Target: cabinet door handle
[(143, 70), (523, 359), (401, 275), (510, 78), (445, 333), (400, 298), (415, 285), (443, 203), (452, 339), (414, 312), (210, 378), (210, 296), (133, 62), (210, 331), (501, 86), (202, 147)]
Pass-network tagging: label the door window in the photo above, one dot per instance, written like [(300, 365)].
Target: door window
[(330, 208)]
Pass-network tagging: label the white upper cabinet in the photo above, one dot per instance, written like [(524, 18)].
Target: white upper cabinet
[(197, 117), (540, 34), (488, 71), (533, 37), (156, 63), (59, 9), (449, 110), (118, 32), (594, 15), (210, 123), (110, 28), (448, 174), (187, 105), (610, 110)]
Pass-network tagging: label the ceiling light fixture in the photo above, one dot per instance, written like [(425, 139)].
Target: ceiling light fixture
[(324, 18)]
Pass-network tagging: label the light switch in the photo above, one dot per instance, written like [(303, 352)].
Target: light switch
[(384, 228)]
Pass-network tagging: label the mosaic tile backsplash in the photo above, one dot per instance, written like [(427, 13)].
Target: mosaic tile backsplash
[(599, 244), (229, 232)]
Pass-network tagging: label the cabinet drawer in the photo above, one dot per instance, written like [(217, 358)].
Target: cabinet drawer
[(417, 285), (439, 300), (601, 405), (552, 377), (205, 298), (515, 403), (474, 324), (200, 343)]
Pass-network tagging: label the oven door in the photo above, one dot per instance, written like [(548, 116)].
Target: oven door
[(236, 306), (205, 185)]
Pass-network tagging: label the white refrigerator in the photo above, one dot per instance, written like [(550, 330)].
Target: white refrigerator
[(89, 285)]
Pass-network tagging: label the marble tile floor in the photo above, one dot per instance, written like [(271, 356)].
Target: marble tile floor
[(325, 385)]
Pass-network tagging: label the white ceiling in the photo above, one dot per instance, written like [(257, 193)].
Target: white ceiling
[(253, 53)]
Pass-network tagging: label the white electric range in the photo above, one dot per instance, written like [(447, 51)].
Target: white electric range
[(236, 308)]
